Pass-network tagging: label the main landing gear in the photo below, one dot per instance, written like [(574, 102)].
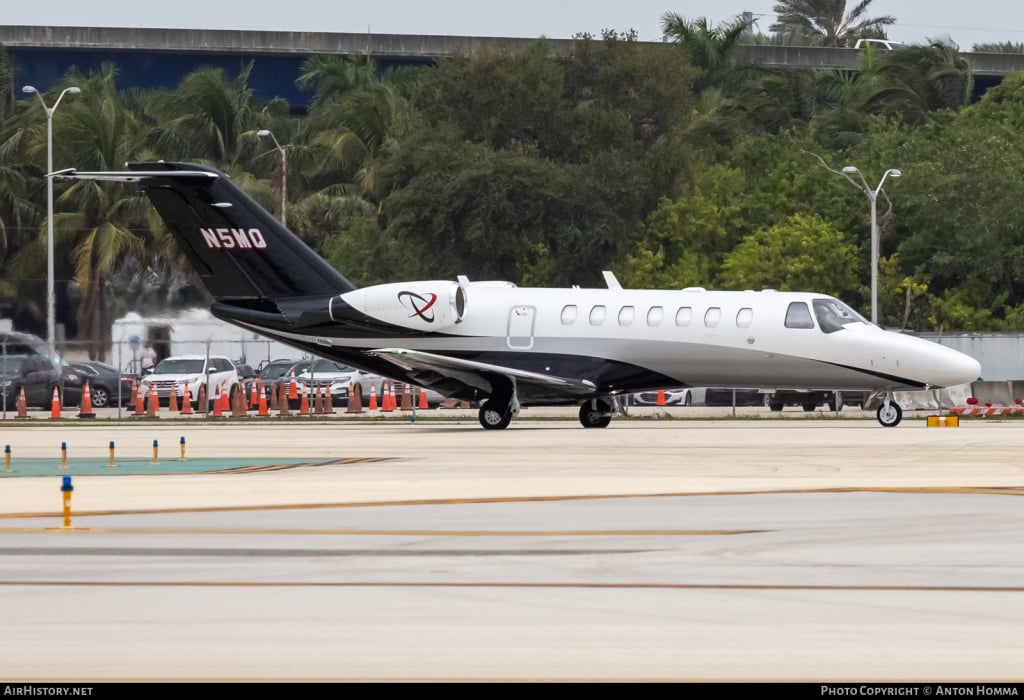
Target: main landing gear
[(595, 413), (499, 410), (889, 413)]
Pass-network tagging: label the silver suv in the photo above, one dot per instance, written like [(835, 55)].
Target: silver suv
[(216, 373)]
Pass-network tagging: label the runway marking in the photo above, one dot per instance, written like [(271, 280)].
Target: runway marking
[(278, 467), (975, 490), (448, 584), (407, 533)]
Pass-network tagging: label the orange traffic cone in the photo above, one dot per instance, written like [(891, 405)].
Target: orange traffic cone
[(355, 399), (282, 399), (22, 404), (85, 410), (263, 401), (186, 401), (304, 404), (201, 401), (254, 397), (140, 406), (292, 389), (273, 397), (661, 397), (423, 398), (225, 399), (328, 402), (407, 398), (318, 400), (389, 398), (172, 399), (373, 397), (217, 407), (239, 404), (55, 404), (154, 402)]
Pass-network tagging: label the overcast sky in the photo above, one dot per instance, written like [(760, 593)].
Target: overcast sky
[(967, 23)]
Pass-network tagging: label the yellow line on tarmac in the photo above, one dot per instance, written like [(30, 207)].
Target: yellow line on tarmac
[(413, 533), (985, 490)]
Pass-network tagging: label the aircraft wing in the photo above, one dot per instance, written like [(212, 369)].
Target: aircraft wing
[(442, 372)]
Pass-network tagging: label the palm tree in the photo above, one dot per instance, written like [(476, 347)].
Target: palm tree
[(356, 119), (210, 117), (826, 21), (736, 99), (711, 49), (96, 225)]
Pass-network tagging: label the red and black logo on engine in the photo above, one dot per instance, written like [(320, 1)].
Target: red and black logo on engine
[(420, 305)]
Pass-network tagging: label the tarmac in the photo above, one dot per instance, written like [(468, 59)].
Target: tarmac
[(675, 545)]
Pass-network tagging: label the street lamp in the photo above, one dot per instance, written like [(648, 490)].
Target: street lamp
[(872, 195), (51, 298), (284, 172)]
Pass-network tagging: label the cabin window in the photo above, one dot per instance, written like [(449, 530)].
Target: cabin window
[(684, 316), (568, 314), (712, 316), (798, 316), (626, 314), (597, 315), (744, 317), (654, 315)]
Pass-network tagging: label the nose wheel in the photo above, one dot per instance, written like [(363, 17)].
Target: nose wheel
[(889, 413)]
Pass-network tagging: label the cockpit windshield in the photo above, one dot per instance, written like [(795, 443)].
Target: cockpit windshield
[(833, 314)]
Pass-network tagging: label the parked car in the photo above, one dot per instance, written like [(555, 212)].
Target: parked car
[(106, 384), (274, 370), (810, 400), (247, 378), (326, 374), (39, 377), (217, 373), (687, 396), (715, 396)]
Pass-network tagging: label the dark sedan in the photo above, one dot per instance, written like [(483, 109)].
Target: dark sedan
[(103, 383), (38, 377)]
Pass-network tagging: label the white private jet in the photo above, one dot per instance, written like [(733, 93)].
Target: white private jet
[(502, 346)]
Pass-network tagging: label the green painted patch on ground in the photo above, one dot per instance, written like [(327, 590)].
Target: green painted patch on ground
[(87, 466)]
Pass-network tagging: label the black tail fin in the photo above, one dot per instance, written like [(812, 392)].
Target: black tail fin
[(236, 246)]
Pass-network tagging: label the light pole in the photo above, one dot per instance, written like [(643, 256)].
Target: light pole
[(284, 172), (51, 299), (872, 195)]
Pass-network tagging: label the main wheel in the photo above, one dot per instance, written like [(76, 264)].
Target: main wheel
[(890, 414), (688, 399), (596, 413), (100, 396), (492, 419), (809, 406), (773, 405)]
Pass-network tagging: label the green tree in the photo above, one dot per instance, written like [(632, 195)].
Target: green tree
[(710, 49), (826, 22), (209, 117), (802, 254)]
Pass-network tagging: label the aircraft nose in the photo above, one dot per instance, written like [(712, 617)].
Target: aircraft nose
[(953, 367)]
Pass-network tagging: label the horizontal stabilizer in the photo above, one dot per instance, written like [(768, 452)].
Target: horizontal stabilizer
[(238, 249)]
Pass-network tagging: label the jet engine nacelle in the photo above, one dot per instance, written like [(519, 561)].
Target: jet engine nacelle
[(428, 306)]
